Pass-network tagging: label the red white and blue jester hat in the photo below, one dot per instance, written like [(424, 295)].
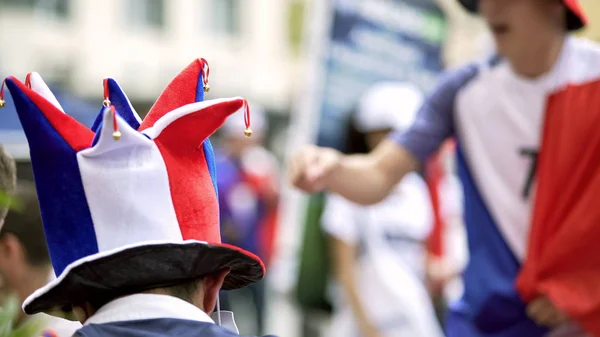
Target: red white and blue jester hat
[(129, 205)]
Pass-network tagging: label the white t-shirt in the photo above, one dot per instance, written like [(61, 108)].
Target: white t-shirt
[(391, 267), (497, 118)]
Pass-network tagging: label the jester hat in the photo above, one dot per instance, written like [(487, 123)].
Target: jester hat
[(129, 205)]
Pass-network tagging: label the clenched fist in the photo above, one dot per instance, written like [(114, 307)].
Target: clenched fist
[(543, 312), (311, 168)]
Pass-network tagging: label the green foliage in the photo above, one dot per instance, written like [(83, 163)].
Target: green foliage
[(296, 13), (314, 269), (12, 202), (11, 309)]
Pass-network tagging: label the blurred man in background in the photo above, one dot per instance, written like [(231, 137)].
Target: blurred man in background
[(248, 196), (495, 109), (8, 181), (24, 260), (379, 252)]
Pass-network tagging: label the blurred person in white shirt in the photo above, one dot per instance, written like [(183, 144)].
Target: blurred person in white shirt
[(379, 252), (248, 185), (24, 260)]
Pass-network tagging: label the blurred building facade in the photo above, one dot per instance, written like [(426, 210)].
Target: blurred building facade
[(144, 43), (592, 9)]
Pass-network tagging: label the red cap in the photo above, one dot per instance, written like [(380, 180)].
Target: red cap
[(576, 19)]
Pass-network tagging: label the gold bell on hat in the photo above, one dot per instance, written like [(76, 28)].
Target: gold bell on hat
[(248, 133), (116, 133), (206, 88), (2, 103)]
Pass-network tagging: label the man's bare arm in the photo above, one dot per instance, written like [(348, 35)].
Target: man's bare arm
[(364, 179), (368, 179)]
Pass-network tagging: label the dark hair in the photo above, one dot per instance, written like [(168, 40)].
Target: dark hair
[(8, 178), (184, 291), (355, 140), (24, 221)]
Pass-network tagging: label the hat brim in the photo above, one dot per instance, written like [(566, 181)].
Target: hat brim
[(142, 267)]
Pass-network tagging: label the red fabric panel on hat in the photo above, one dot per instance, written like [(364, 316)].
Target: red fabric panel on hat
[(74, 133), (181, 91), (192, 191), (563, 256), (194, 196)]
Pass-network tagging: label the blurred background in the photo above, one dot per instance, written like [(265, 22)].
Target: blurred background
[(304, 66)]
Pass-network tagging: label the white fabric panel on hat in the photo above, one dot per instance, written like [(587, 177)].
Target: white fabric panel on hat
[(38, 85), (162, 123), (129, 172)]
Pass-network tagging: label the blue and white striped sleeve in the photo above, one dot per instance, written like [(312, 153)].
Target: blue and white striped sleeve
[(435, 119)]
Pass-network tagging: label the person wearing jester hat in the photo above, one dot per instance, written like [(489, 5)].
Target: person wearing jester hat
[(130, 210), (526, 125)]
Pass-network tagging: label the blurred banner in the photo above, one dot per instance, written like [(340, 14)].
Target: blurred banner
[(371, 41), (350, 45)]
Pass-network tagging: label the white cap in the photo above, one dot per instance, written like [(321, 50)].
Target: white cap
[(388, 105), (235, 126)]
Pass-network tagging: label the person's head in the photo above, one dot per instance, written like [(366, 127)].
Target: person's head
[(202, 293), (232, 132), (385, 107), (8, 179), (24, 259), (103, 238), (519, 26)]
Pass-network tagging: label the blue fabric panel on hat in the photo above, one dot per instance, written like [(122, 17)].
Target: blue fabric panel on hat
[(97, 130), (65, 212), (98, 121), (119, 100), (200, 88), (209, 153)]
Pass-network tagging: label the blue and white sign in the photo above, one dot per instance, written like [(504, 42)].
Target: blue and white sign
[(372, 41)]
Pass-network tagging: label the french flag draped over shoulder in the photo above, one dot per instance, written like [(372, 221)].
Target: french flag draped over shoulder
[(563, 260)]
